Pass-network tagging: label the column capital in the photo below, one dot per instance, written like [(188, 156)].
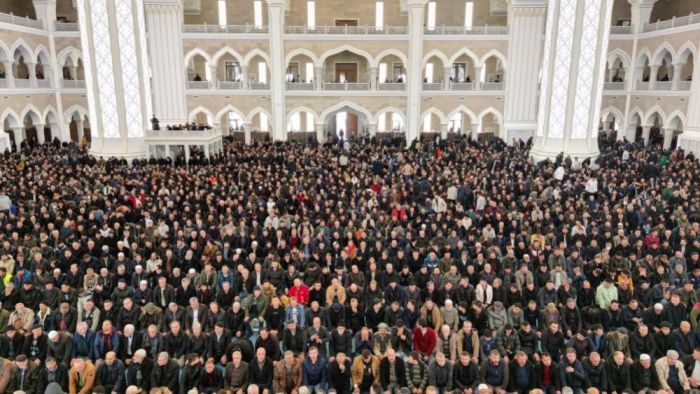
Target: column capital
[(416, 3), (276, 3), (642, 3)]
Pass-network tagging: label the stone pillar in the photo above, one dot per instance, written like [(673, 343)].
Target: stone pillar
[(443, 130), (653, 76), (80, 125), (73, 72), (167, 151), (213, 76), (445, 78), (677, 70), (641, 13), (164, 19), (320, 132), (646, 131), (690, 139), (668, 138), (40, 137), (187, 154), (31, 69), (631, 133), (248, 138), (19, 136), (611, 73), (55, 131), (113, 41), (416, 11), (477, 77), (373, 78), (46, 12), (372, 129), (474, 132), (275, 14), (9, 67), (318, 77), (206, 150), (244, 77), (526, 19), (571, 90)]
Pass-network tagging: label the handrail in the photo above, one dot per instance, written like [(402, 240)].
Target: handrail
[(73, 84), (614, 86), (227, 29), (621, 29), (300, 85), (189, 134), (393, 86), (17, 20), (358, 30), (474, 30), (345, 86), (67, 26), (671, 23)]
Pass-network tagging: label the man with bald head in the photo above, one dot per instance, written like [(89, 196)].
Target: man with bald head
[(110, 374)]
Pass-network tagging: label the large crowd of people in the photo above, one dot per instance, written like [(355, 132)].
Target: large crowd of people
[(444, 267)]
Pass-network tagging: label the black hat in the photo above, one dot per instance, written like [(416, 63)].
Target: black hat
[(665, 324)]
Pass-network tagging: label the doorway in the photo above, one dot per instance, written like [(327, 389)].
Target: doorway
[(346, 72), (346, 23)]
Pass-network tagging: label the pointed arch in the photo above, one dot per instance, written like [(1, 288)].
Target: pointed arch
[(33, 113), (654, 110), (24, 49), (436, 112), (497, 54), (618, 53), (463, 108), (68, 114), (494, 112), (660, 51), (636, 111), (465, 51), (436, 53), (68, 52), (684, 53), (11, 116), (643, 54), (343, 48), (42, 52), (228, 108), (5, 53), (349, 104), (206, 111), (255, 111), (194, 52), (256, 52), (302, 109), (227, 51), (614, 111), (50, 111), (300, 51), (392, 110), (676, 116), (387, 52)]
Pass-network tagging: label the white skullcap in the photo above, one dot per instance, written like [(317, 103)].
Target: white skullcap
[(644, 357), (658, 306)]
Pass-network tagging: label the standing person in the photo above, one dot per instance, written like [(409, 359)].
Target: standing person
[(671, 374), (340, 375), (81, 378)]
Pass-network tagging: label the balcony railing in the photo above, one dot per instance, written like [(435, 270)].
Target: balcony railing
[(66, 26), (229, 29), (663, 85), (621, 29), (23, 83), (43, 83), (3, 83), (16, 20), (671, 23), (641, 85), (684, 85), (360, 30), (462, 86), (259, 86), (198, 85), (345, 86), (492, 86), (614, 86), (477, 30), (73, 84), (229, 85), (215, 131), (391, 86), (300, 86), (432, 86)]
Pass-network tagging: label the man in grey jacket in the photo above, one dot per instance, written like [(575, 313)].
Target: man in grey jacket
[(440, 373)]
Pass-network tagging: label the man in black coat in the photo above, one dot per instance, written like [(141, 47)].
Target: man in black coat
[(130, 341), (643, 375), (260, 371), (110, 374), (60, 347), (35, 345), (165, 373), (465, 374), (521, 376), (385, 372), (618, 373), (175, 342), (339, 374), (218, 343), (65, 318), (139, 372), (51, 372)]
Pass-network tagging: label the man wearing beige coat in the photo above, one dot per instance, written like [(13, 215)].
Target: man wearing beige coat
[(671, 374)]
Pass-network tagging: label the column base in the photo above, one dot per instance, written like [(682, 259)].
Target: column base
[(119, 148), (539, 154), (518, 131), (689, 141)]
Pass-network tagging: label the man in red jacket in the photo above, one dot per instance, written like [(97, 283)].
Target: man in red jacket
[(424, 340), (300, 291)]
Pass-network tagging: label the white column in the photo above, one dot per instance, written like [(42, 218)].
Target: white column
[(373, 82), (653, 76), (164, 18), (690, 139), (372, 129), (477, 76), (526, 21), (677, 71), (443, 130), (668, 138), (31, 69), (474, 132), (214, 77), (640, 13), (646, 131), (9, 67), (40, 133), (631, 133), (571, 90), (244, 77), (275, 14), (187, 154), (45, 12), (320, 132), (318, 77), (113, 41), (80, 125), (55, 131), (19, 136), (73, 72), (248, 137), (446, 78), (416, 11)]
